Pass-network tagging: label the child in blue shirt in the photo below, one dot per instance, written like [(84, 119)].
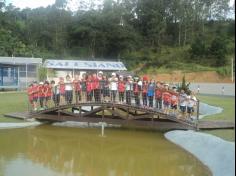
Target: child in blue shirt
[(150, 92)]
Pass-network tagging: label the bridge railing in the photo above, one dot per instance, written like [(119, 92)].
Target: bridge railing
[(107, 96)]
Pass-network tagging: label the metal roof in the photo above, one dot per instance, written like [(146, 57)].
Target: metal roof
[(84, 65), (20, 60)]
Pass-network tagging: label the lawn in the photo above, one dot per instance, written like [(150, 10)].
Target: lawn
[(227, 103), (12, 102)]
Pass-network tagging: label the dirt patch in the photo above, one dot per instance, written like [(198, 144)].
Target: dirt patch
[(201, 77)]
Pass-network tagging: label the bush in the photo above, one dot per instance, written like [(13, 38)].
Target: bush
[(224, 71), (218, 50)]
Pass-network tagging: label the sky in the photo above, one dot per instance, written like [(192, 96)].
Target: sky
[(73, 4)]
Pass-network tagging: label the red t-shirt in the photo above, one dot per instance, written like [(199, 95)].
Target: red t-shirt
[(35, 91), (121, 86), (158, 93), (89, 85), (49, 91), (62, 88), (41, 91), (174, 99), (95, 83), (77, 86), (136, 88), (166, 97), (145, 87), (30, 93)]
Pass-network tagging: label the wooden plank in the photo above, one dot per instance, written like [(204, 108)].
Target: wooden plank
[(117, 113), (18, 115), (94, 111)]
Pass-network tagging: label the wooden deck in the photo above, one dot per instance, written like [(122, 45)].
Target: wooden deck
[(120, 114)]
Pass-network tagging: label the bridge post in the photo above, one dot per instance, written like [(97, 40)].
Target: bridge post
[(80, 111), (127, 113), (198, 105), (58, 114), (103, 113)]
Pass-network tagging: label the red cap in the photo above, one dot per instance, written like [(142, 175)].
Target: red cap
[(145, 78)]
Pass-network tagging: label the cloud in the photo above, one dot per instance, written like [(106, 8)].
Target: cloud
[(31, 3)]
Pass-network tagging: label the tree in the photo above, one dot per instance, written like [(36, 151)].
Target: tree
[(218, 50), (184, 86)]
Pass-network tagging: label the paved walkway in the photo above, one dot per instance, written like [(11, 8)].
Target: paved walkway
[(214, 88)]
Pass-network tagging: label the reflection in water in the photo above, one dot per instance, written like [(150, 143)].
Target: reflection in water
[(50, 151)]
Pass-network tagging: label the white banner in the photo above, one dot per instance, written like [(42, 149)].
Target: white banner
[(84, 65)]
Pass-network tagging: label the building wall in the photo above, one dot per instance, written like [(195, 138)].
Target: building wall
[(14, 76)]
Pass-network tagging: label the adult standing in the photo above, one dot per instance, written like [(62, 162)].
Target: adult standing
[(136, 90), (144, 90), (77, 88), (128, 89), (151, 90), (68, 90), (182, 102), (113, 86), (158, 95), (83, 87)]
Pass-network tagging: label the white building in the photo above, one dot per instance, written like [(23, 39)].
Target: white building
[(61, 68), (18, 72)]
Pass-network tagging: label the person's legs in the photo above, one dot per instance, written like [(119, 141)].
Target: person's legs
[(70, 96), (123, 97), (144, 99), (120, 97), (160, 103), (128, 98), (150, 101), (41, 100), (35, 99)]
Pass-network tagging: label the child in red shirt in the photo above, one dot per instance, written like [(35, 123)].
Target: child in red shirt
[(35, 94), (30, 94), (144, 90), (47, 89), (158, 95), (41, 94), (174, 100), (136, 90), (96, 88), (166, 96), (121, 89), (89, 88), (62, 91)]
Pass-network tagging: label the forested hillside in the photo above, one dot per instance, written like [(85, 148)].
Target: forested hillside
[(143, 33)]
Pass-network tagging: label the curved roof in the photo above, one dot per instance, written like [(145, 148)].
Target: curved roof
[(84, 65)]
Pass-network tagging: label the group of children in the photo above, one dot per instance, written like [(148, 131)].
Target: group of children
[(117, 88)]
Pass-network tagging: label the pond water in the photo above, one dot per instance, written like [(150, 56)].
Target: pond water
[(59, 151)]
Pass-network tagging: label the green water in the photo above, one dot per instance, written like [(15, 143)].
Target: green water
[(58, 151)]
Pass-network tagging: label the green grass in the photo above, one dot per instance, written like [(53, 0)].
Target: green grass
[(227, 103), (12, 102)]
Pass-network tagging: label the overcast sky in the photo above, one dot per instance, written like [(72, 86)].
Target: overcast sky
[(44, 3)]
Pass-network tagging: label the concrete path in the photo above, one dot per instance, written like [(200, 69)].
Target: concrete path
[(214, 88), (214, 152)]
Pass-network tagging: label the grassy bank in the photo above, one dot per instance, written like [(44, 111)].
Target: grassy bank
[(227, 103), (12, 102)]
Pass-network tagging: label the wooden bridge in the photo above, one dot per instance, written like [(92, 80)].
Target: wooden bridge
[(123, 115)]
